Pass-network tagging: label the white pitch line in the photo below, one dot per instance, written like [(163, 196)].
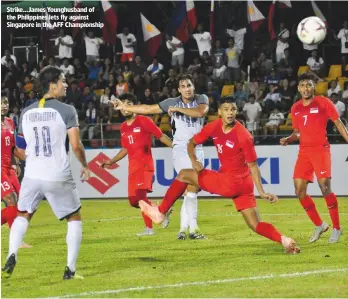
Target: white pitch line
[(203, 283)]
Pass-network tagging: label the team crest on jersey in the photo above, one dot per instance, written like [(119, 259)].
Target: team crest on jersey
[(314, 110), (230, 144), (136, 130)]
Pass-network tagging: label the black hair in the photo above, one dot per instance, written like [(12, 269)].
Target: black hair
[(186, 77), (345, 84), (334, 94), (251, 96), (129, 97), (227, 99), (306, 76), (49, 75)]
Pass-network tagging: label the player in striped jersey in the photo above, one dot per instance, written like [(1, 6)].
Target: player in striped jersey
[(187, 119)]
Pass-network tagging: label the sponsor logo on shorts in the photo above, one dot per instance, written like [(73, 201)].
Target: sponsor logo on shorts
[(102, 180)]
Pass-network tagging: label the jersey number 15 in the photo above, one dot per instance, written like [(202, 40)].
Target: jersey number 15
[(46, 141)]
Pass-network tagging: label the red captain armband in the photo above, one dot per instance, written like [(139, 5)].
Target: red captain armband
[(20, 141)]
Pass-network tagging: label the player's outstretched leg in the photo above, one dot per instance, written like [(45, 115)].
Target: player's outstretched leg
[(73, 241), (175, 191), (309, 206), (267, 230), (332, 205), (18, 230)]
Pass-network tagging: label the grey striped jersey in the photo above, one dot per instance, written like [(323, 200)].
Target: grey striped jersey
[(183, 126)]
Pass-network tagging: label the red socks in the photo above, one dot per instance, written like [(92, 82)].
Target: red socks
[(309, 206), (332, 204), (8, 215), (269, 231), (147, 219), (175, 191)]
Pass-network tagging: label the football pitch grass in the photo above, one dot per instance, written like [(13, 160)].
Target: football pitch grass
[(232, 262)]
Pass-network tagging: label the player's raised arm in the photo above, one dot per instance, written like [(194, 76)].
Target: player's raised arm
[(138, 109), (200, 111), (120, 155), (342, 129), (197, 112)]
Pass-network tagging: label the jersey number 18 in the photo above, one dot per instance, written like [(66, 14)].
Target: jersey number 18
[(46, 139)]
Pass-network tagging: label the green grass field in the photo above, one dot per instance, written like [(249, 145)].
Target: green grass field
[(232, 262)]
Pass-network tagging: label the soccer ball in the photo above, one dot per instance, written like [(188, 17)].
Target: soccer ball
[(311, 30)]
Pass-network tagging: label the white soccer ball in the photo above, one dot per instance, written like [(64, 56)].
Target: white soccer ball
[(311, 30)]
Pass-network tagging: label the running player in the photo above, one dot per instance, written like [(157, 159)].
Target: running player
[(309, 120), (136, 138), (46, 127), (236, 177), (187, 118)]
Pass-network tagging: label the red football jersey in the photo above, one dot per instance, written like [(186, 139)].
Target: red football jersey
[(311, 122), (7, 142), (136, 138), (235, 149)]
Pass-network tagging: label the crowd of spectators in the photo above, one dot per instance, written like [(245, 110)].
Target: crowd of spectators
[(265, 90)]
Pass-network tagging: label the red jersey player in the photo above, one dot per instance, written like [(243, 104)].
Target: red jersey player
[(9, 181), (136, 138), (309, 120), (10, 185), (236, 177)]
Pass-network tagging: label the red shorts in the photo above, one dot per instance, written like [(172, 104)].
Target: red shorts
[(240, 189), (6, 185), (127, 57), (308, 163), (140, 181)]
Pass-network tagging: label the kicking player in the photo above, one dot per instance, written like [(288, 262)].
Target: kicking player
[(236, 177), (10, 185), (45, 127), (136, 138), (187, 118), (309, 120)]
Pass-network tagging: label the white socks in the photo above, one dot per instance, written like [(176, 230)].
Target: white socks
[(188, 214), (73, 240), (184, 220), (192, 210), (18, 230)]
